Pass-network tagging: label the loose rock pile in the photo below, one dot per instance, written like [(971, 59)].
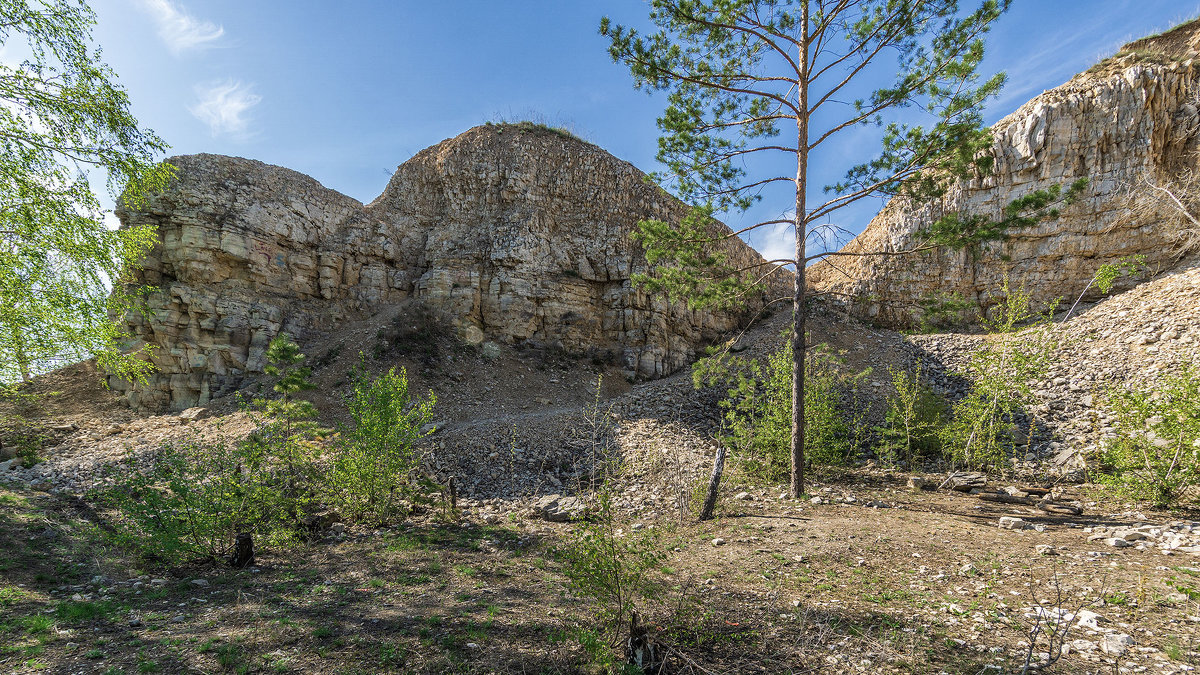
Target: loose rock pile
[(1174, 537), (1133, 339)]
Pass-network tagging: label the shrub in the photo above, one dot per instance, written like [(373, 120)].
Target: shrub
[(758, 419), (285, 440), (1156, 454), (942, 310), (1003, 370), (609, 565), (191, 500), (376, 459), (911, 426)]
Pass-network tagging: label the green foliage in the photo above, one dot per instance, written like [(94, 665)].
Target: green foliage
[(914, 418), (62, 115), (758, 410), (23, 442), (970, 231), (194, 498), (609, 565), (942, 310), (685, 266), (375, 459), (1108, 274), (286, 435), (1156, 454), (189, 502), (1003, 373)]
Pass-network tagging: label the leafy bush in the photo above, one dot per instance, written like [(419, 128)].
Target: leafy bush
[(609, 565), (193, 499), (912, 423), (758, 419), (285, 440), (375, 458), (1017, 354), (1156, 454), (942, 310)]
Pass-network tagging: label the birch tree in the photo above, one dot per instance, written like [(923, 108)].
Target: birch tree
[(62, 115)]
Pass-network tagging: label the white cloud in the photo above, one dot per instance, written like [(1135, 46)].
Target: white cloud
[(779, 243), (223, 106), (178, 29)]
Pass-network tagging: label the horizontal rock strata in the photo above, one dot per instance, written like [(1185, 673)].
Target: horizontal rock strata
[(518, 234), (1130, 119)]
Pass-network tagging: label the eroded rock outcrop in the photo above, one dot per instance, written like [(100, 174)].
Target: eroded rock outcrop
[(519, 234), (1129, 119)]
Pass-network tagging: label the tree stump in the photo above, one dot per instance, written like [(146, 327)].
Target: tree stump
[(243, 551), (640, 650)]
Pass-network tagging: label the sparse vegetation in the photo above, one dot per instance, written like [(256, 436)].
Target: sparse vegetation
[(913, 423), (1003, 374), (1156, 454), (613, 567), (375, 465), (758, 410)]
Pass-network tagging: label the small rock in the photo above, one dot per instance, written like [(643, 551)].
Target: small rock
[(1115, 644), (192, 414), (718, 542), (816, 501), (1046, 549), (1117, 543), (1011, 523), (1089, 619), (202, 583), (743, 496)]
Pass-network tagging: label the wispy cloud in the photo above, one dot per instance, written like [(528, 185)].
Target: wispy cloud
[(223, 106), (178, 29), (779, 243)]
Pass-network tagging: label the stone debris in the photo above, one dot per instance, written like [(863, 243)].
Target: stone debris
[(559, 509), (1176, 537), (965, 482)]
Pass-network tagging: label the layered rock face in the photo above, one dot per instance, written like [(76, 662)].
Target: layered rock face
[(518, 234), (1130, 119)]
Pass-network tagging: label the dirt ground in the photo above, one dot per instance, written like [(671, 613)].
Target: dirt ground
[(929, 584), (878, 578)]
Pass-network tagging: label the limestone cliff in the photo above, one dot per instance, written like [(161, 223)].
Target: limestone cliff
[(518, 233), (1131, 117)]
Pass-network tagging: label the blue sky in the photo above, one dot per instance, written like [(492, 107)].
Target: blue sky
[(346, 91)]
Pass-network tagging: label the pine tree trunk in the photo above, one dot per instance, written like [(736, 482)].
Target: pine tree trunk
[(714, 484), (798, 351)]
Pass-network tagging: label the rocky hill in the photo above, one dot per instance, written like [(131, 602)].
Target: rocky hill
[(516, 233), (1131, 118)]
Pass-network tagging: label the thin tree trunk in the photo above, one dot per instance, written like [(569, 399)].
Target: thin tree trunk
[(714, 484), (798, 350)]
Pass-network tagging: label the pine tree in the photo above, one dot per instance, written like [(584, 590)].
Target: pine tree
[(751, 81)]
